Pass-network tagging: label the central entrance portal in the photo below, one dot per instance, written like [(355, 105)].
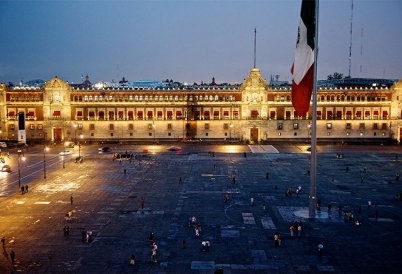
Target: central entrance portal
[(254, 134)]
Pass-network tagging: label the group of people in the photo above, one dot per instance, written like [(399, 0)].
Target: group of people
[(86, 235), (24, 189), (205, 246), (66, 231), (192, 222), (277, 239)]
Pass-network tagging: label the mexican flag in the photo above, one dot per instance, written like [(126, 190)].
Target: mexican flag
[(303, 66)]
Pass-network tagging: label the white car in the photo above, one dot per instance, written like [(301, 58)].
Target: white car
[(65, 152), (174, 148)]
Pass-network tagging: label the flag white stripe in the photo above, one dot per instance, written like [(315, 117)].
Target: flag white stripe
[(304, 57)]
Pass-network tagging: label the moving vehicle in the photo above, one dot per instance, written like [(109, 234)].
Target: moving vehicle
[(3, 144), (6, 168), (104, 149), (65, 152), (69, 144), (174, 148)]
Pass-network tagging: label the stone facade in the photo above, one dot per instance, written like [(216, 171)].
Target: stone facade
[(252, 112)]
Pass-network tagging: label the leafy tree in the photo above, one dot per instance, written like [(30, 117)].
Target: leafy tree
[(335, 76)]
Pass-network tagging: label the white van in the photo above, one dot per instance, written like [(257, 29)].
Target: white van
[(3, 144)]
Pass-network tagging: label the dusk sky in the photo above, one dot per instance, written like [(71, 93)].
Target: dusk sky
[(191, 40)]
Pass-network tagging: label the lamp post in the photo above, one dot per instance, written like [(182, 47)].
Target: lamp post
[(19, 167), (64, 154), (230, 132), (153, 127), (79, 147), (75, 133)]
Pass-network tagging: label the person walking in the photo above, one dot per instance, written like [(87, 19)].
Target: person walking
[(180, 181), (252, 201), (12, 255), (329, 207), (132, 259), (184, 243), (291, 228), (369, 204), (154, 256), (142, 203), (360, 208), (26, 188), (298, 230), (71, 199), (3, 241), (376, 214)]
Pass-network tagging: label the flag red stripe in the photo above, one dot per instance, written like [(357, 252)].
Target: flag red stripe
[(301, 93)]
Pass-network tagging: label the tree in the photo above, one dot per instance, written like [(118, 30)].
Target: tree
[(335, 76)]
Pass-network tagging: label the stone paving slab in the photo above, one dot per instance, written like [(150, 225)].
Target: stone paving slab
[(108, 203)]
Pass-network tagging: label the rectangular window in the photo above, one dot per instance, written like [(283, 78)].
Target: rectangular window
[(12, 127), (130, 126), (91, 126), (79, 126), (111, 127), (111, 134), (31, 127), (375, 126), (149, 126), (295, 125), (279, 126), (348, 126), (206, 126), (225, 126), (40, 127), (329, 125), (169, 126), (361, 126), (384, 126)]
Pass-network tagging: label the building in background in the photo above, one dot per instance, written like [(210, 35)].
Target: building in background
[(160, 111)]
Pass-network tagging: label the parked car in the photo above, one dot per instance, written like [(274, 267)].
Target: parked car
[(6, 168), (174, 148), (65, 152)]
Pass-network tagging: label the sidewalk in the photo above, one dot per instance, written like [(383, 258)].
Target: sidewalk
[(107, 202)]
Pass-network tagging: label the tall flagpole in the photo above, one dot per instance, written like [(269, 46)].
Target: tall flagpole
[(313, 159)]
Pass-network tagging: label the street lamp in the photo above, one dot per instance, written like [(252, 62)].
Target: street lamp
[(79, 148), (44, 160), (153, 127), (19, 167), (75, 133), (230, 132), (64, 154)]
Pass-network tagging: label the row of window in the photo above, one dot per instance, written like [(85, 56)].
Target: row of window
[(375, 126), (151, 98), (338, 98)]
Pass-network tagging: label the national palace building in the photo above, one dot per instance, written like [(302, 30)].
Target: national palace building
[(252, 111)]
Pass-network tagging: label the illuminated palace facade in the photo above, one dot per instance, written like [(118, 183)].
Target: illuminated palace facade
[(250, 112)]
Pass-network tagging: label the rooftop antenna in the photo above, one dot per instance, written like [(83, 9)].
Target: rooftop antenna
[(255, 44), (361, 52), (350, 44)]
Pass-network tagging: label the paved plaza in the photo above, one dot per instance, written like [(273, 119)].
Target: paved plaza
[(175, 186)]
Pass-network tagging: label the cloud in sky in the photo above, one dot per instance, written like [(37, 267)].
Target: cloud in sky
[(191, 41)]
